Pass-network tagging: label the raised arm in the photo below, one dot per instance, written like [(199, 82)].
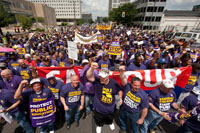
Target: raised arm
[(18, 93), (89, 74), (122, 75)]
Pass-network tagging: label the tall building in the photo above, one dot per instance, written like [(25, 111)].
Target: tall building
[(116, 3), (66, 10), (87, 17), (45, 12), (149, 13)]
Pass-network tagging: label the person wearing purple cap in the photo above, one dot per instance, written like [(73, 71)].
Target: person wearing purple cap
[(135, 103), (104, 99), (160, 101)]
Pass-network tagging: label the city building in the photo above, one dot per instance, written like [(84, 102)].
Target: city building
[(66, 10), (196, 8), (21, 7), (87, 17), (149, 13), (182, 21), (116, 4), (45, 12)]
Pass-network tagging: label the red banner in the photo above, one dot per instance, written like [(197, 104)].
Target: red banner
[(151, 79)]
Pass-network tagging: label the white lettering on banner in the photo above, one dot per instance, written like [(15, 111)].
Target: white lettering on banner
[(130, 103), (73, 99), (69, 74), (169, 74), (164, 106), (55, 72)]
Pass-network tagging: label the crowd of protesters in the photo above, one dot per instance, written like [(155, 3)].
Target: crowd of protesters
[(141, 50)]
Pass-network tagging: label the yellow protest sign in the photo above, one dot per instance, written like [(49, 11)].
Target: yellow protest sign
[(21, 50), (102, 27), (114, 50)]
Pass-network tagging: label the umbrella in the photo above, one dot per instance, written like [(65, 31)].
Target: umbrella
[(4, 49)]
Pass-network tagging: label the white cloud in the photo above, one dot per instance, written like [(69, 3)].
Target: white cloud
[(96, 7), (100, 7)]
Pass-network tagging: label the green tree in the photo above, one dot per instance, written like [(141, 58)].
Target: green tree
[(105, 19), (124, 14), (64, 24), (90, 21), (80, 22), (5, 18), (40, 20), (25, 21)]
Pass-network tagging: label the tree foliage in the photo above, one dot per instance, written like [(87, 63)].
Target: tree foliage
[(90, 21), (105, 19), (5, 17), (40, 19), (25, 21), (130, 11), (65, 24), (80, 22)]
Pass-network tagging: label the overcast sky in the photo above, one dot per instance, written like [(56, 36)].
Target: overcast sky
[(100, 7)]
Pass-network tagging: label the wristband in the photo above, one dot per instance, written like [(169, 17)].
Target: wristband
[(159, 112)]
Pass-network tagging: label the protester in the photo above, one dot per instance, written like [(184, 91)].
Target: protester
[(135, 103), (14, 108), (72, 98), (104, 99), (35, 94), (160, 101), (11, 81)]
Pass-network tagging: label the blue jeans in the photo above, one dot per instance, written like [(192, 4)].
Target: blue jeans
[(88, 100), (21, 119), (185, 129), (151, 121), (68, 114), (124, 115), (50, 126)]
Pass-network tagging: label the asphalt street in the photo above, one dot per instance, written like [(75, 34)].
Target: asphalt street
[(86, 125)]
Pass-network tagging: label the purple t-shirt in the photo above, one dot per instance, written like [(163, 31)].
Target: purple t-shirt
[(7, 100), (161, 100), (63, 62), (191, 82), (31, 96), (104, 100), (194, 121), (72, 95), (25, 73), (55, 89), (13, 83), (89, 88), (13, 64), (190, 102), (104, 64), (133, 67), (134, 101)]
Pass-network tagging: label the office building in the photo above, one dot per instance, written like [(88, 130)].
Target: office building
[(149, 13), (66, 10)]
